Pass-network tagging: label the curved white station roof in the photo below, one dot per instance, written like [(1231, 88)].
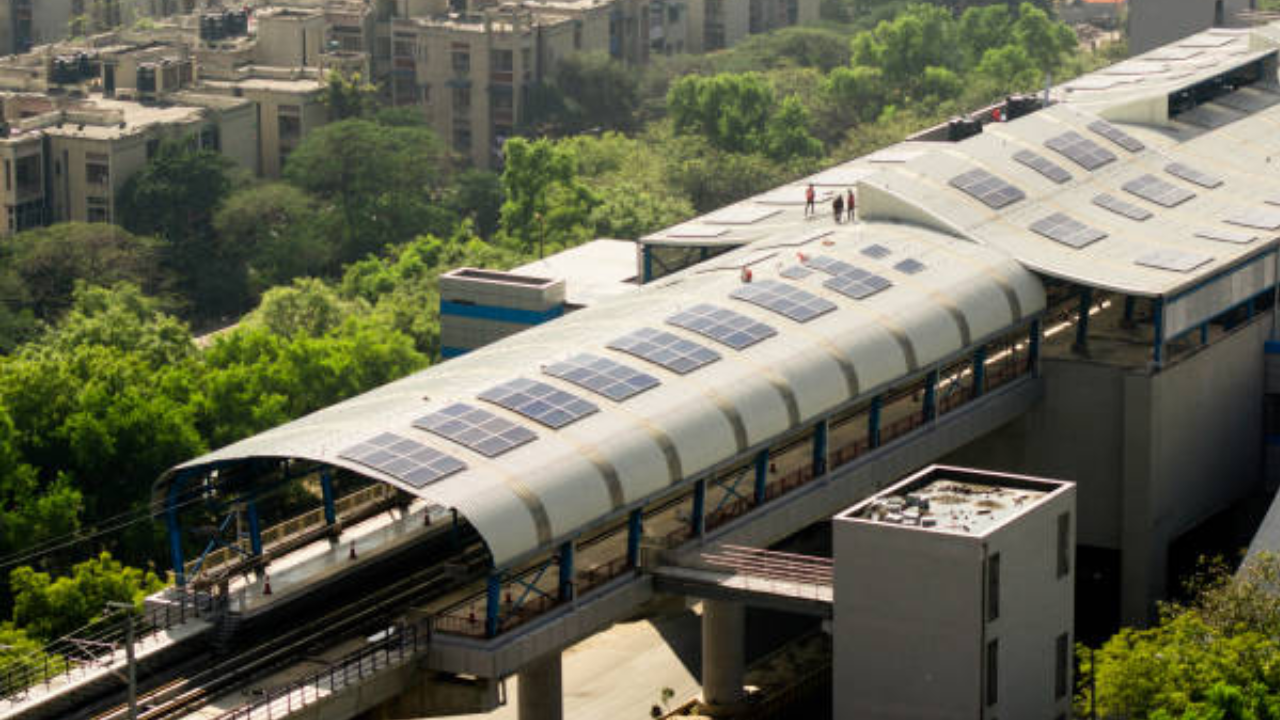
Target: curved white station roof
[(565, 480)]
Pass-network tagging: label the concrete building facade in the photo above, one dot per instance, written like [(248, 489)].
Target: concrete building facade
[(1153, 23)]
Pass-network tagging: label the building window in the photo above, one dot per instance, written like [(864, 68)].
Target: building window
[(99, 211), (97, 173), (1061, 656), (993, 672), (1064, 544), (461, 60), (993, 587), (461, 100), (289, 122), (462, 139), (404, 46)]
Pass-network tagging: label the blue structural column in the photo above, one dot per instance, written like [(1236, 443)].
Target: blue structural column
[(326, 489), (762, 475), (255, 528), (979, 372), (873, 421), (646, 255), (566, 571), (699, 507), (1082, 325), (1157, 322), (175, 530), (820, 448), (455, 536), (1130, 304), (1204, 334), (929, 407), (635, 531), (493, 605), (1033, 348)]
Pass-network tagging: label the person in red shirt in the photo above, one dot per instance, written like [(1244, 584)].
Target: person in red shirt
[(809, 197), (849, 204)]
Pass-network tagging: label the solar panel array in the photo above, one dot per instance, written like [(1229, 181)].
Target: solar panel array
[(1261, 218), (828, 264), (858, 284), (1192, 175), (1043, 165), (1175, 260), (662, 348), (786, 300), (987, 188), (876, 251), (1080, 150), (539, 402), (477, 429), (796, 272), (910, 266), (1237, 237), (1063, 229), (1116, 135), (1152, 188), (1123, 208), (602, 376), (406, 460), (722, 325)]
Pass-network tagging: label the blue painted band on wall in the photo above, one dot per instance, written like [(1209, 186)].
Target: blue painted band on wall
[(452, 352), (1273, 439), (499, 314), (1273, 347)]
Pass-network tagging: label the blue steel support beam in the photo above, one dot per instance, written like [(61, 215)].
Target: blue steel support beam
[(1082, 325), (1033, 348), (930, 405), (1130, 304), (873, 421), (1250, 308), (1157, 322), (635, 531), (979, 371), (566, 571), (326, 489), (255, 528), (455, 538), (820, 448), (762, 475), (646, 254), (1204, 334), (699, 507), (493, 605), (175, 530)]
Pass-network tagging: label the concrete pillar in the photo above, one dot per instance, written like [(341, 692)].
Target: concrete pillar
[(723, 652), (540, 695)]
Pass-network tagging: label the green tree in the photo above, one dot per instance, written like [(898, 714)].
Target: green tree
[(787, 135), (1046, 41), (49, 608), (545, 201), (174, 197), (476, 195), (729, 110), (628, 211), (307, 307), (921, 37), (599, 92), (281, 231), (348, 95), (857, 94)]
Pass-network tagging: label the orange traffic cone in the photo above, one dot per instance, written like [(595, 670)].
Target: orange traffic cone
[(352, 554), (266, 584)]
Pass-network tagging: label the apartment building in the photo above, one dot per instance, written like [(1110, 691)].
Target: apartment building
[(25, 24)]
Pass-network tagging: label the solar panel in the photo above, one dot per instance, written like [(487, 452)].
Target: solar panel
[(724, 326), (1192, 175), (477, 429), (1175, 260), (876, 251), (1150, 187), (662, 348), (1122, 207), (786, 300), (1261, 218), (406, 460), (987, 188), (1116, 135), (796, 272), (910, 266), (1072, 233), (858, 287), (1080, 150), (1042, 165), (602, 376), (539, 402), (1238, 237), (828, 264)]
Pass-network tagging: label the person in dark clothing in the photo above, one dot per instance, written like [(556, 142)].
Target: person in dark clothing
[(838, 206), (849, 204), (809, 196)]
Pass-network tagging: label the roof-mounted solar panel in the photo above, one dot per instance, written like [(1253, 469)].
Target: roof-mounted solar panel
[(1063, 229), (876, 251), (406, 460), (987, 188), (1043, 165), (910, 266), (1123, 208), (476, 429), (1153, 189), (1173, 260), (1261, 218), (602, 376), (858, 286), (1080, 150), (1117, 136), (1192, 175), (725, 326), (796, 272), (786, 300), (539, 402), (828, 264), (662, 348), (1237, 237)]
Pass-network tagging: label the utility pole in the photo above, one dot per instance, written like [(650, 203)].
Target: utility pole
[(127, 609)]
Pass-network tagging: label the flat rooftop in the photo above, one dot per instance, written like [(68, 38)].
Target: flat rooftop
[(592, 271)]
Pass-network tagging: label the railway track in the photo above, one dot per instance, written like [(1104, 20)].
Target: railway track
[(373, 610)]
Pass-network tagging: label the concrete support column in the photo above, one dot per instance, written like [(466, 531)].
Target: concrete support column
[(723, 652), (540, 690)]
